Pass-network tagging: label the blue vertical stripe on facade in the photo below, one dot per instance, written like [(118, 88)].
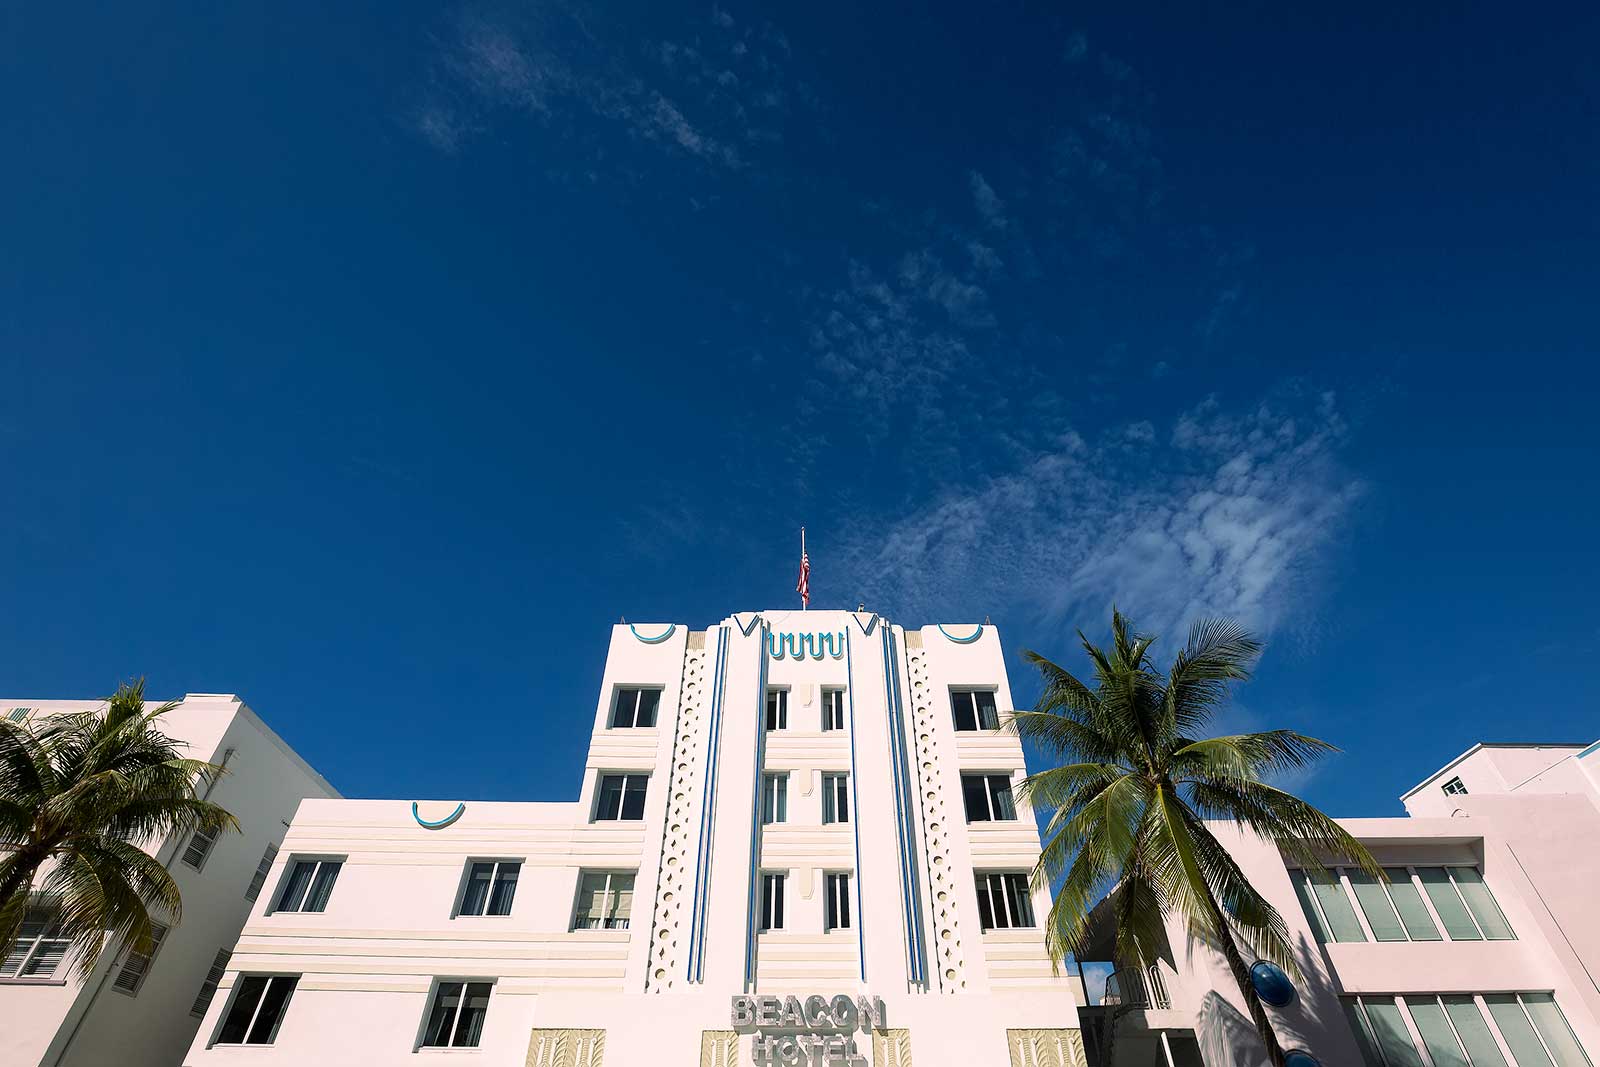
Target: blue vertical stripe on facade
[(752, 924), (708, 814), (910, 889), (855, 806)]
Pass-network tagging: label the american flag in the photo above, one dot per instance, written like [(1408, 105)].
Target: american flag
[(803, 586)]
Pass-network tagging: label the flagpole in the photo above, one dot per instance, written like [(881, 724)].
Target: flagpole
[(803, 556)]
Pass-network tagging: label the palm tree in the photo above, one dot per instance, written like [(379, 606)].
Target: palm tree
[(79, 795), (1133, 786)]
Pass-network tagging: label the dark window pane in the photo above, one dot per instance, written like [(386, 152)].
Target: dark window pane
[(622, 708), (445, 1003), (985, 905), (505, 889), (610, 806), (966, 716), (988, 717), (477, 889), (1000, 791), (294, 890), (633, 797), (247, 995), (272, 1009), (649, 701), (974, 794), (469, 1025), (322, 886), (1017, 898)]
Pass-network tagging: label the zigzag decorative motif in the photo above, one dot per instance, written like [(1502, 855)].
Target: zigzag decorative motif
[(800, 646)]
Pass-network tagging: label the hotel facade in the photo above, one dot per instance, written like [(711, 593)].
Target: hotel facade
[(798, 840)]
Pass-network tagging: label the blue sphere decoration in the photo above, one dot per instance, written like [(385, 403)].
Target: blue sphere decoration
[(1300, 1058), (1272, 985)]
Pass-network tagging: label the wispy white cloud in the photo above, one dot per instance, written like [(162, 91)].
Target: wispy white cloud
[(987, 202), (1224, 513)]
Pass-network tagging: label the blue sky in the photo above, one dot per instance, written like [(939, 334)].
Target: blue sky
[(371, 360)]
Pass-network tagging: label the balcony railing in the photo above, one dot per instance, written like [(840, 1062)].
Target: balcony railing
[(1134, 988)]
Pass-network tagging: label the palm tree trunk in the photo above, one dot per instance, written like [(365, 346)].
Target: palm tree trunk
[(1241, 975)]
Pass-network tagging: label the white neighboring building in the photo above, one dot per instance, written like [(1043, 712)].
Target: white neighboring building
[(1482, 949), (814, 805), (140, 1012)]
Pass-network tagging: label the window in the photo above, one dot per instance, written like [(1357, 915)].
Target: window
[(259, 1003), (974, 709), (772, 901), (456, 1018), (777, 709), (491, 886), (309, 885), (634, 707), (621, 797), (199, 848), (605, 899), (39, 947), (774, 798), (136, 964), (1456, 899), (1458, 1029), (18, 715), (259, 879), (835, 798), (833, 709), (208, 988), (1003, 901), (838, 889), (1454, 787), (988, 797)]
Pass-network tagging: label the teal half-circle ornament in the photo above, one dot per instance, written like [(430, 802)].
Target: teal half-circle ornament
[(1299, 1057), (1271, 984), (656, 640), (976, 633), (439, 824)]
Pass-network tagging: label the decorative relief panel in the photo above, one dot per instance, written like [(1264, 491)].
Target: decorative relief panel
[(891, 1048), (950, 969), (566, 1048), (674, 881), (1046, 1048), (719, 1048)]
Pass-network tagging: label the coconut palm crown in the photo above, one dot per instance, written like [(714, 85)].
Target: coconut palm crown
[(1132, 784), (79, 795)]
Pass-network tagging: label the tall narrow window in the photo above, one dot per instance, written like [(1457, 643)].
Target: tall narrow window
[(1376, 906), (1003, 900), (833, 709), (1454, 787), (136, 964), (777, 709), (974, 709), (18, 715), (838, 890), (491, 887), (835, 798), (1481, 903), (634, 707), (208, 988), (1408, 902), (621, 797), (39, 947), (1447, 903), (309, 885), (605, 900), (772, 901), (1337, 911), (259, 879), (1554, 1028), (455, 1019), (259, 1004), (988, 797), (774, 798), (199, 848)]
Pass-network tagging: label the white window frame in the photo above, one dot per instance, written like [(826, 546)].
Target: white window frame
[(977, 715), (989, 778), (836, 785), (835, 715), (233, 996), (213, 979), (1455, 787), (782, 694), (622, 800), (1420, 1047), (1341, 874), (988, 882), (434, 991), (774, 798), (496, 863), (158, 937), (611, 891), (282, 887), (773, 905), (636, 691), (205, 842), (836, 897), (258, 881), (36, 945)]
